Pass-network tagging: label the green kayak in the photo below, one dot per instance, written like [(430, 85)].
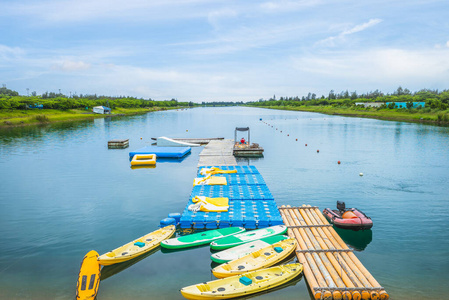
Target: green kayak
[(200, 238), (248, 236)]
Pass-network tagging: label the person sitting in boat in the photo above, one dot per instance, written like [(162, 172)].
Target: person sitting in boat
[(242, 141)]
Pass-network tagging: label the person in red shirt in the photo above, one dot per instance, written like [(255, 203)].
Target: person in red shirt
[(242, 141)]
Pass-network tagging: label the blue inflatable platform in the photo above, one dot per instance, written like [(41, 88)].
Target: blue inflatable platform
[(251, 204), (162, 152)]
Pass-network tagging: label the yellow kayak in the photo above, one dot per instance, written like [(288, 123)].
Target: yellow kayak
[(89, 277), (137, 247), (242, 285), (262, 258)]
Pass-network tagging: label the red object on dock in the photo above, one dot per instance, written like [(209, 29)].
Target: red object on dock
[(351, 218)]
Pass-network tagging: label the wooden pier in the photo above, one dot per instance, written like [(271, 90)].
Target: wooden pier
[(330, 266), (118, 144), (218, 153)]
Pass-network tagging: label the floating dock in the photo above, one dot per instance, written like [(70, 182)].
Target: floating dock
[(251, 204), (118, 144), (330, 266), (218, 152), (162, 152)]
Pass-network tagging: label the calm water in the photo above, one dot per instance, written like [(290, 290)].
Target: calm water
[(63, 193)]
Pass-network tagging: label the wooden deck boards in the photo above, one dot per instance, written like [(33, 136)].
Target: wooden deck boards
[(218, 153)]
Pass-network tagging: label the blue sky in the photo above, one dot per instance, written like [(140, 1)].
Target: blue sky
[(205, 50)]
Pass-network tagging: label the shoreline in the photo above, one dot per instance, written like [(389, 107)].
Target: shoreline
[(18, 118), (390, 115)]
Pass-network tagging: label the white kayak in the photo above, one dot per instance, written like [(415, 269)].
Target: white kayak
[(245, 249)]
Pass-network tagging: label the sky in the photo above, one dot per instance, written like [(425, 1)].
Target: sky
[(223, 50)]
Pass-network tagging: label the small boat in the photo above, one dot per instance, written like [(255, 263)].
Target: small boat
[(89, 277), (249, 236), (168, 142), (242, 285), (143, 160), (245, 249), (262, 258), (348, 218), (137, 247), (201, 238)]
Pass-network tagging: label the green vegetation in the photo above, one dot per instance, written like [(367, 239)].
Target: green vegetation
[(51, 107), (436, 108)]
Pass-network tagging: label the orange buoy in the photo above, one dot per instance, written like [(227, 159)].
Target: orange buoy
[(296, 139), (317, 151), (288, 134), (306, 145), (338, 162), (140, 138)]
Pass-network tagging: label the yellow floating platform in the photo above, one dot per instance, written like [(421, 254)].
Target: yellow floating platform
[(143, 160)]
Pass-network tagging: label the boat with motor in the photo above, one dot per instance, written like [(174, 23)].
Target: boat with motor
[(348, 218)]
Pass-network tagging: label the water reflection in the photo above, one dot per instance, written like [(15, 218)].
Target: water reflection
[(357, 240), (111, 270)]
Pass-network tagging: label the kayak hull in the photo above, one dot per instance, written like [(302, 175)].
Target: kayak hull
[(89, 277), (249, 236), (201, 238), (245, 249), (253, 282), (262, 258), (137, 247)]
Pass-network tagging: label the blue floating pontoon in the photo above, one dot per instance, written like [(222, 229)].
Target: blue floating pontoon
[(251, 204), (164, 152)]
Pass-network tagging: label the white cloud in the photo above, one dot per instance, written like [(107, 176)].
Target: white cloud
[(330, 41), (8, 53), (57, 11), (380, 67), (447, 44), (286, 5), (70, 65), (214, 17)]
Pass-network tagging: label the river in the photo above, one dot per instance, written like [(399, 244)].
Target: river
[(63, 193)]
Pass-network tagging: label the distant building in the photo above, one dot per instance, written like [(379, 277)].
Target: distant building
[(404, 104), (101, 110), (370, 104)]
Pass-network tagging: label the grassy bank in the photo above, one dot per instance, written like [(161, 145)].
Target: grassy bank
[(14, 117), (408, 115)]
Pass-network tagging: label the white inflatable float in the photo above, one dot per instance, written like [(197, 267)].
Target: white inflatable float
[(168, 142)]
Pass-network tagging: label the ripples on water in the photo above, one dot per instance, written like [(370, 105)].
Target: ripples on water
[(64, 193)]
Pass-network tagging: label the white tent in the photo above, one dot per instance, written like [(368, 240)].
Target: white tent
[(101, 110)]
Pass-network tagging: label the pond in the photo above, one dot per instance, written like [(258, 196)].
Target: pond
[(63, 193)]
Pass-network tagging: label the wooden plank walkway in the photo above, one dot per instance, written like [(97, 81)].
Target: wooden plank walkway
[(218, 153), (331, 268)]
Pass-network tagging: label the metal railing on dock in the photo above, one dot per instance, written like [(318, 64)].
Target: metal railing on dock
[(331, 268)]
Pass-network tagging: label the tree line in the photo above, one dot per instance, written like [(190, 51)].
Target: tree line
[(434, 99), (11, 100)]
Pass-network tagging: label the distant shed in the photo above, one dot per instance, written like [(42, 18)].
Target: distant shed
[(101, 110), (404, 104)]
